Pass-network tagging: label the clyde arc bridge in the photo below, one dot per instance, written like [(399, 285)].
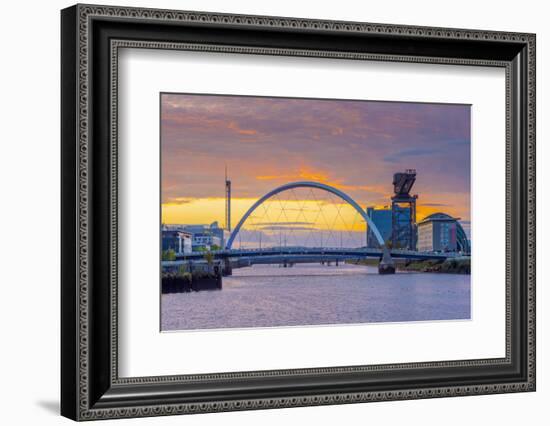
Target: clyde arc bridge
[(320, 224)]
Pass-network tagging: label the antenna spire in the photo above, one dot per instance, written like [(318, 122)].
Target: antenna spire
[(227, 201)]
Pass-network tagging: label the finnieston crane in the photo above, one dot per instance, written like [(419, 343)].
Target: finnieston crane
[(404, 210), (403, 183)]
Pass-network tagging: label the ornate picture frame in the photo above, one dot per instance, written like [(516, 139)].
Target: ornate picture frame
[(91, 37)]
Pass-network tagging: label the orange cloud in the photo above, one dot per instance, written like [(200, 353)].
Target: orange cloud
[(306, 173), (235, 127), (177, 201), (302, 174), (318, 176)]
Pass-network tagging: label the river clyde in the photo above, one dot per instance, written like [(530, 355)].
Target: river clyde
[(313, 294)]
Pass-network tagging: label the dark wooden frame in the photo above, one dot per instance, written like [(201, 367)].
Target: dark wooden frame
[(90, 386)]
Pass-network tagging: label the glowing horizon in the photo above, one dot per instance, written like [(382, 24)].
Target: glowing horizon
[(198, 211)]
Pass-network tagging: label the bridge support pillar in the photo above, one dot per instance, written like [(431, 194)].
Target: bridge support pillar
[(386, 265), (384, 268), (227, 268)]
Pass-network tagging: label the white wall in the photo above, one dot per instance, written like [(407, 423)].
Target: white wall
[(29, 182)]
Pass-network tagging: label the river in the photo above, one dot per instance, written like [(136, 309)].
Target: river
[(312, 294)]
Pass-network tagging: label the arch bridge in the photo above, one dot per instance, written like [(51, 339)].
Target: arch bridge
[(301, 254), (386, 264)]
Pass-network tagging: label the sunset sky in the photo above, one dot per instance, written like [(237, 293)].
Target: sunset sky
[(355, 146)]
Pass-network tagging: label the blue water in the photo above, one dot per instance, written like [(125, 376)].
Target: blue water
[(307, 294)]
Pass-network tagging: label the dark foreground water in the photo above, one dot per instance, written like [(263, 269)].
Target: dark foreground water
[(271, 296)]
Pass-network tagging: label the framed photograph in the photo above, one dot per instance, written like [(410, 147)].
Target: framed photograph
[(263, 212)]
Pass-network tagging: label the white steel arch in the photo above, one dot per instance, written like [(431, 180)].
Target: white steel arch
[(308, 184)]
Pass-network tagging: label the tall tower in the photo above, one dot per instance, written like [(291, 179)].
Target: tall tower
[(403, 208), (227, 202)]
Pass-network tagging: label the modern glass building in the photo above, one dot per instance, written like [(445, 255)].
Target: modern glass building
[(382, 218), (441, 232), (178, 241)]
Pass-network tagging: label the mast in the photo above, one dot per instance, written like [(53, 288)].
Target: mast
[(227, 201)]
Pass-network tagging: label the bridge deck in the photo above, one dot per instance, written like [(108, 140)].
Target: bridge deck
[(318, 254)]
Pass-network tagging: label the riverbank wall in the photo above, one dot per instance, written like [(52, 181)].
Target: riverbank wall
[(458, 265), (182, 281)]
